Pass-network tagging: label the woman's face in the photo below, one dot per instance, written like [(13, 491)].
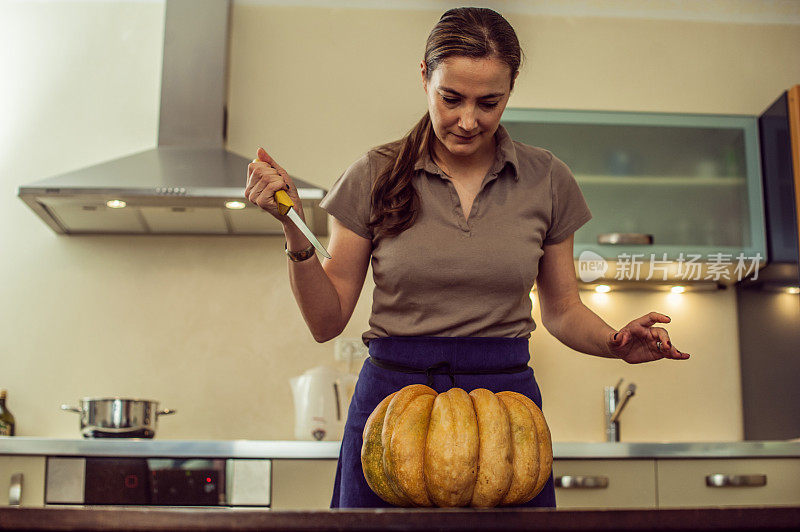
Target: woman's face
[(466, 98)]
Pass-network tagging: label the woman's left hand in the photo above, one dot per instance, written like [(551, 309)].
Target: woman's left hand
[(640, 342)]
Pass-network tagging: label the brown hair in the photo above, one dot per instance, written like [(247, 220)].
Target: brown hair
[(465, 31)]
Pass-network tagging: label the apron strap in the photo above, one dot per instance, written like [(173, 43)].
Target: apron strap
[(443, 368)]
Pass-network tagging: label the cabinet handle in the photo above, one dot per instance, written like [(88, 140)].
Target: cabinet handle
[(735, 481), (15, 491), (581, 482), (622, 239)]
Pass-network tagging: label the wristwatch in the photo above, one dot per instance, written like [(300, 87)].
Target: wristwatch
[(299, 256)]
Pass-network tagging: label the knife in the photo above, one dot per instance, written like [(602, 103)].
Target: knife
[(285, 206)]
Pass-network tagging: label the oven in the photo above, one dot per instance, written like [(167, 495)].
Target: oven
[(158, 482)]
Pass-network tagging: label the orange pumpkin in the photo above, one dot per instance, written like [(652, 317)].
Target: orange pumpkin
[(456, 449)]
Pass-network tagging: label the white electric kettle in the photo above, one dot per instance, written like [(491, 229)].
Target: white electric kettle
[(321, 398)]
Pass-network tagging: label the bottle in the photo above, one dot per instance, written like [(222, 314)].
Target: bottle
[(6, 417)]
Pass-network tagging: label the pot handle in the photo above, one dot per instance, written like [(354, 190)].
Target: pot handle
[(165, 412), (71, 409)]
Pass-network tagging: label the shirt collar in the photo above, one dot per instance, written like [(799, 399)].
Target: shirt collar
[(505, 153)]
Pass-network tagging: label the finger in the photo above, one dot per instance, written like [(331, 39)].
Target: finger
[(619, 338), (261, 172), (267, 158), (256, 190), (266, 198), (260, 182), (667, 349), (653, 317), (255, 170), (657, 334), (660, 341), (249, 182), (676, 354)]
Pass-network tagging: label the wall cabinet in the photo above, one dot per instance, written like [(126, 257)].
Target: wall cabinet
[(687, 184)]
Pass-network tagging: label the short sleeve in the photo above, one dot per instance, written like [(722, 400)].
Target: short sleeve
[(570, 210), (348, 200)]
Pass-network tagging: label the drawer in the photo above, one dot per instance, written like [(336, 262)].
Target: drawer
[(302, 484), (743, 482), (605, 483), (28, 472)]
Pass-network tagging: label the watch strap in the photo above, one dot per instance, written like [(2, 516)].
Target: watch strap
[(299, 256)]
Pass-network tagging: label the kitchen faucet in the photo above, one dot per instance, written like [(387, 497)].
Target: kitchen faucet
[(613, 410)]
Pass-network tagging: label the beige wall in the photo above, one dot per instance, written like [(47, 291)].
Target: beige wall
[(208, 325)]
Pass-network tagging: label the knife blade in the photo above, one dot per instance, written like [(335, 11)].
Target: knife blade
[(286, 207)]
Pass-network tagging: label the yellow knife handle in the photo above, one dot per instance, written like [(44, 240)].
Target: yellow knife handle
[(284, 201)]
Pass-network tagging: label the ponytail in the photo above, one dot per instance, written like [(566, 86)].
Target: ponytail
[(394, 201)]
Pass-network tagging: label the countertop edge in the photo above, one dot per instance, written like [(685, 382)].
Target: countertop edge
[(289, 449), (456, 519)]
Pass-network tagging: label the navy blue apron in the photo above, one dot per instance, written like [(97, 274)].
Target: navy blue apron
[(496, 364)]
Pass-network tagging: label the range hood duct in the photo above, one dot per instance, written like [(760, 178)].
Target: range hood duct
[(183, 185)]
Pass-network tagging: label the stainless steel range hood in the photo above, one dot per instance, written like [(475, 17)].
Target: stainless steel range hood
[(187, 183)]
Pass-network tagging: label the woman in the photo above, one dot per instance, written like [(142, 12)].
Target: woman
[(458, 220)]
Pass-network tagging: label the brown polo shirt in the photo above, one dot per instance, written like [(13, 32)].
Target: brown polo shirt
[(451, 276)]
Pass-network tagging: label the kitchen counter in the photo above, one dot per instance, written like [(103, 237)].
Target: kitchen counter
[(330, 449), (120, 447), (457, 519)]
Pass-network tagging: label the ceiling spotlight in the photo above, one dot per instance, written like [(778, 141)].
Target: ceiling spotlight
[(602, 289), (116, 204), (793, 290), (678, 289), (235, 205)]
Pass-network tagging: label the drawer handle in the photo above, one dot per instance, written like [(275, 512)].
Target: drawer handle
[(624, 238), (735, 481), (15, 491), (581, 482)]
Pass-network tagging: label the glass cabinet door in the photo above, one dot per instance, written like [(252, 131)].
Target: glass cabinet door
[(657, 183)]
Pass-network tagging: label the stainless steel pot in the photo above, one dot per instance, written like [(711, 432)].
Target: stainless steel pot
[(116, 417)]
